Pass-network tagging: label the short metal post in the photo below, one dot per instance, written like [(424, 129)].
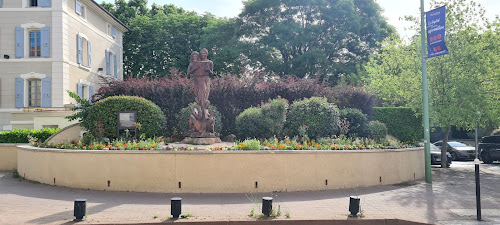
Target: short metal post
[(80, 209), (267, 206), (478, 190), (354, 205), (175, 207)]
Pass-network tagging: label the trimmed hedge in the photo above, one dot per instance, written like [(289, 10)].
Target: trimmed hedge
[(265, 121), (377, 129), (401, 122), (358, 122), (102, 118), (317, 114), (21, 135), (185, 113)]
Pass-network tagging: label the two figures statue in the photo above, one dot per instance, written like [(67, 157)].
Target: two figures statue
[(201, 121)]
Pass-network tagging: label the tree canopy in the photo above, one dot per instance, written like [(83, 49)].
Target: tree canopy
[(463, 85), (326, 37)]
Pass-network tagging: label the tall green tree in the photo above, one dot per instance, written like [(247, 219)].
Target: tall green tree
[(329, 37), (462, 84)]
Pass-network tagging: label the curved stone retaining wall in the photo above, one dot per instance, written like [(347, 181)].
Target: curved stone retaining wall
[(219, 172), (8, 156)]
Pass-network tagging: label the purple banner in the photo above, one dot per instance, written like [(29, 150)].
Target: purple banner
[(436, 28)]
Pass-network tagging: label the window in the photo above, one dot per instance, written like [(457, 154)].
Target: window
[(111, 64), (35, 46), (111, 31), (39, 3), (84, 56), (34, 93), (80, 8)]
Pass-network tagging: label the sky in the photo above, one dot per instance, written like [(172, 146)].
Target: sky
[(393, 10)]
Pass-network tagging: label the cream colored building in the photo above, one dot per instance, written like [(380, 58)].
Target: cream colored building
[(48, 47)]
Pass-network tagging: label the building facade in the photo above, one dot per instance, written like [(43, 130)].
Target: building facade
[(49, 47)]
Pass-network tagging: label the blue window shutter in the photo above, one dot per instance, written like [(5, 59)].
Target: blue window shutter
[(108, 67), (79, 49), (79, 90), (45, 41), (1, 3), (46, 92), (91, 91), (89, 55), (113, 32), (115, 66), (44, 3), (78, 8), (19, 92), (19, 42)]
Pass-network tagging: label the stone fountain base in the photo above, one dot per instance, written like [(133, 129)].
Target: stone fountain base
[(201, 140)]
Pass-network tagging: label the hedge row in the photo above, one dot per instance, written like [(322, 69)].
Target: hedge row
[(232, 94), (21, 135), (401, 122)]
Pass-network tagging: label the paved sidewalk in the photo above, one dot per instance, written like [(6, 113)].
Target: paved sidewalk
[(449, 200)]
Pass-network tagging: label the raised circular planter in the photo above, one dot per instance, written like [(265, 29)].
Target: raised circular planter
[(219, 171)]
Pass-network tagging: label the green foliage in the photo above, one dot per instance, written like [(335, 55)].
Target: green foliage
[(316, 113), (298, 35), (250, 144), (102, 118), (377, 130), (21, 135), (358, 122), (401, 122), (183, 118), (287, 36), (463, 86), (82, 109), (250, 123), (263, 122)]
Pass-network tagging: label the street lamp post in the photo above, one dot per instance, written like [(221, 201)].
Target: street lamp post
[(425, 95)]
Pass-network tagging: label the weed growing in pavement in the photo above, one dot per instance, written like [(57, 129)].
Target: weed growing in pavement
[(186, 215)]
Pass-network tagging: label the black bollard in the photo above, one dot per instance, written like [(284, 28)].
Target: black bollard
[(354, 205), (175, 207), (267, 206), (80, 209)]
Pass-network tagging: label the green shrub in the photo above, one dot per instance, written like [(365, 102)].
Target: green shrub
[(377, 130), (250, 123), (265, 121), (319, 116), (401, 122), (21, 135), (251, 144), (358, 122), (185, 113), (102, 118)]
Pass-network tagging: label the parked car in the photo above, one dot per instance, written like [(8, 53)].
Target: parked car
[(490, 148), (458, 150), (436, 156)]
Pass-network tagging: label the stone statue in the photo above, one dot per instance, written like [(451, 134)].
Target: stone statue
[(201, 121)]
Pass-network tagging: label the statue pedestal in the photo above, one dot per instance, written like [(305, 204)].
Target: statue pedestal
[(201, 140)]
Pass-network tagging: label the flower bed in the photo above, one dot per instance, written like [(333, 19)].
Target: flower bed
[(160, 144)]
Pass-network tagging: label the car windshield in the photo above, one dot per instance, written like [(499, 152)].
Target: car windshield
[(434, 148), (457, 144)]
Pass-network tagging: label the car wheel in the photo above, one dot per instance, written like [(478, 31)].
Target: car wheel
[(454, 156), (485, 156)]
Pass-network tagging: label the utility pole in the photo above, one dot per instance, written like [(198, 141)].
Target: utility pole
[(425, 94)]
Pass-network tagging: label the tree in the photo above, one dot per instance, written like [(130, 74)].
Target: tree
[(463, 85), (319, 36)]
